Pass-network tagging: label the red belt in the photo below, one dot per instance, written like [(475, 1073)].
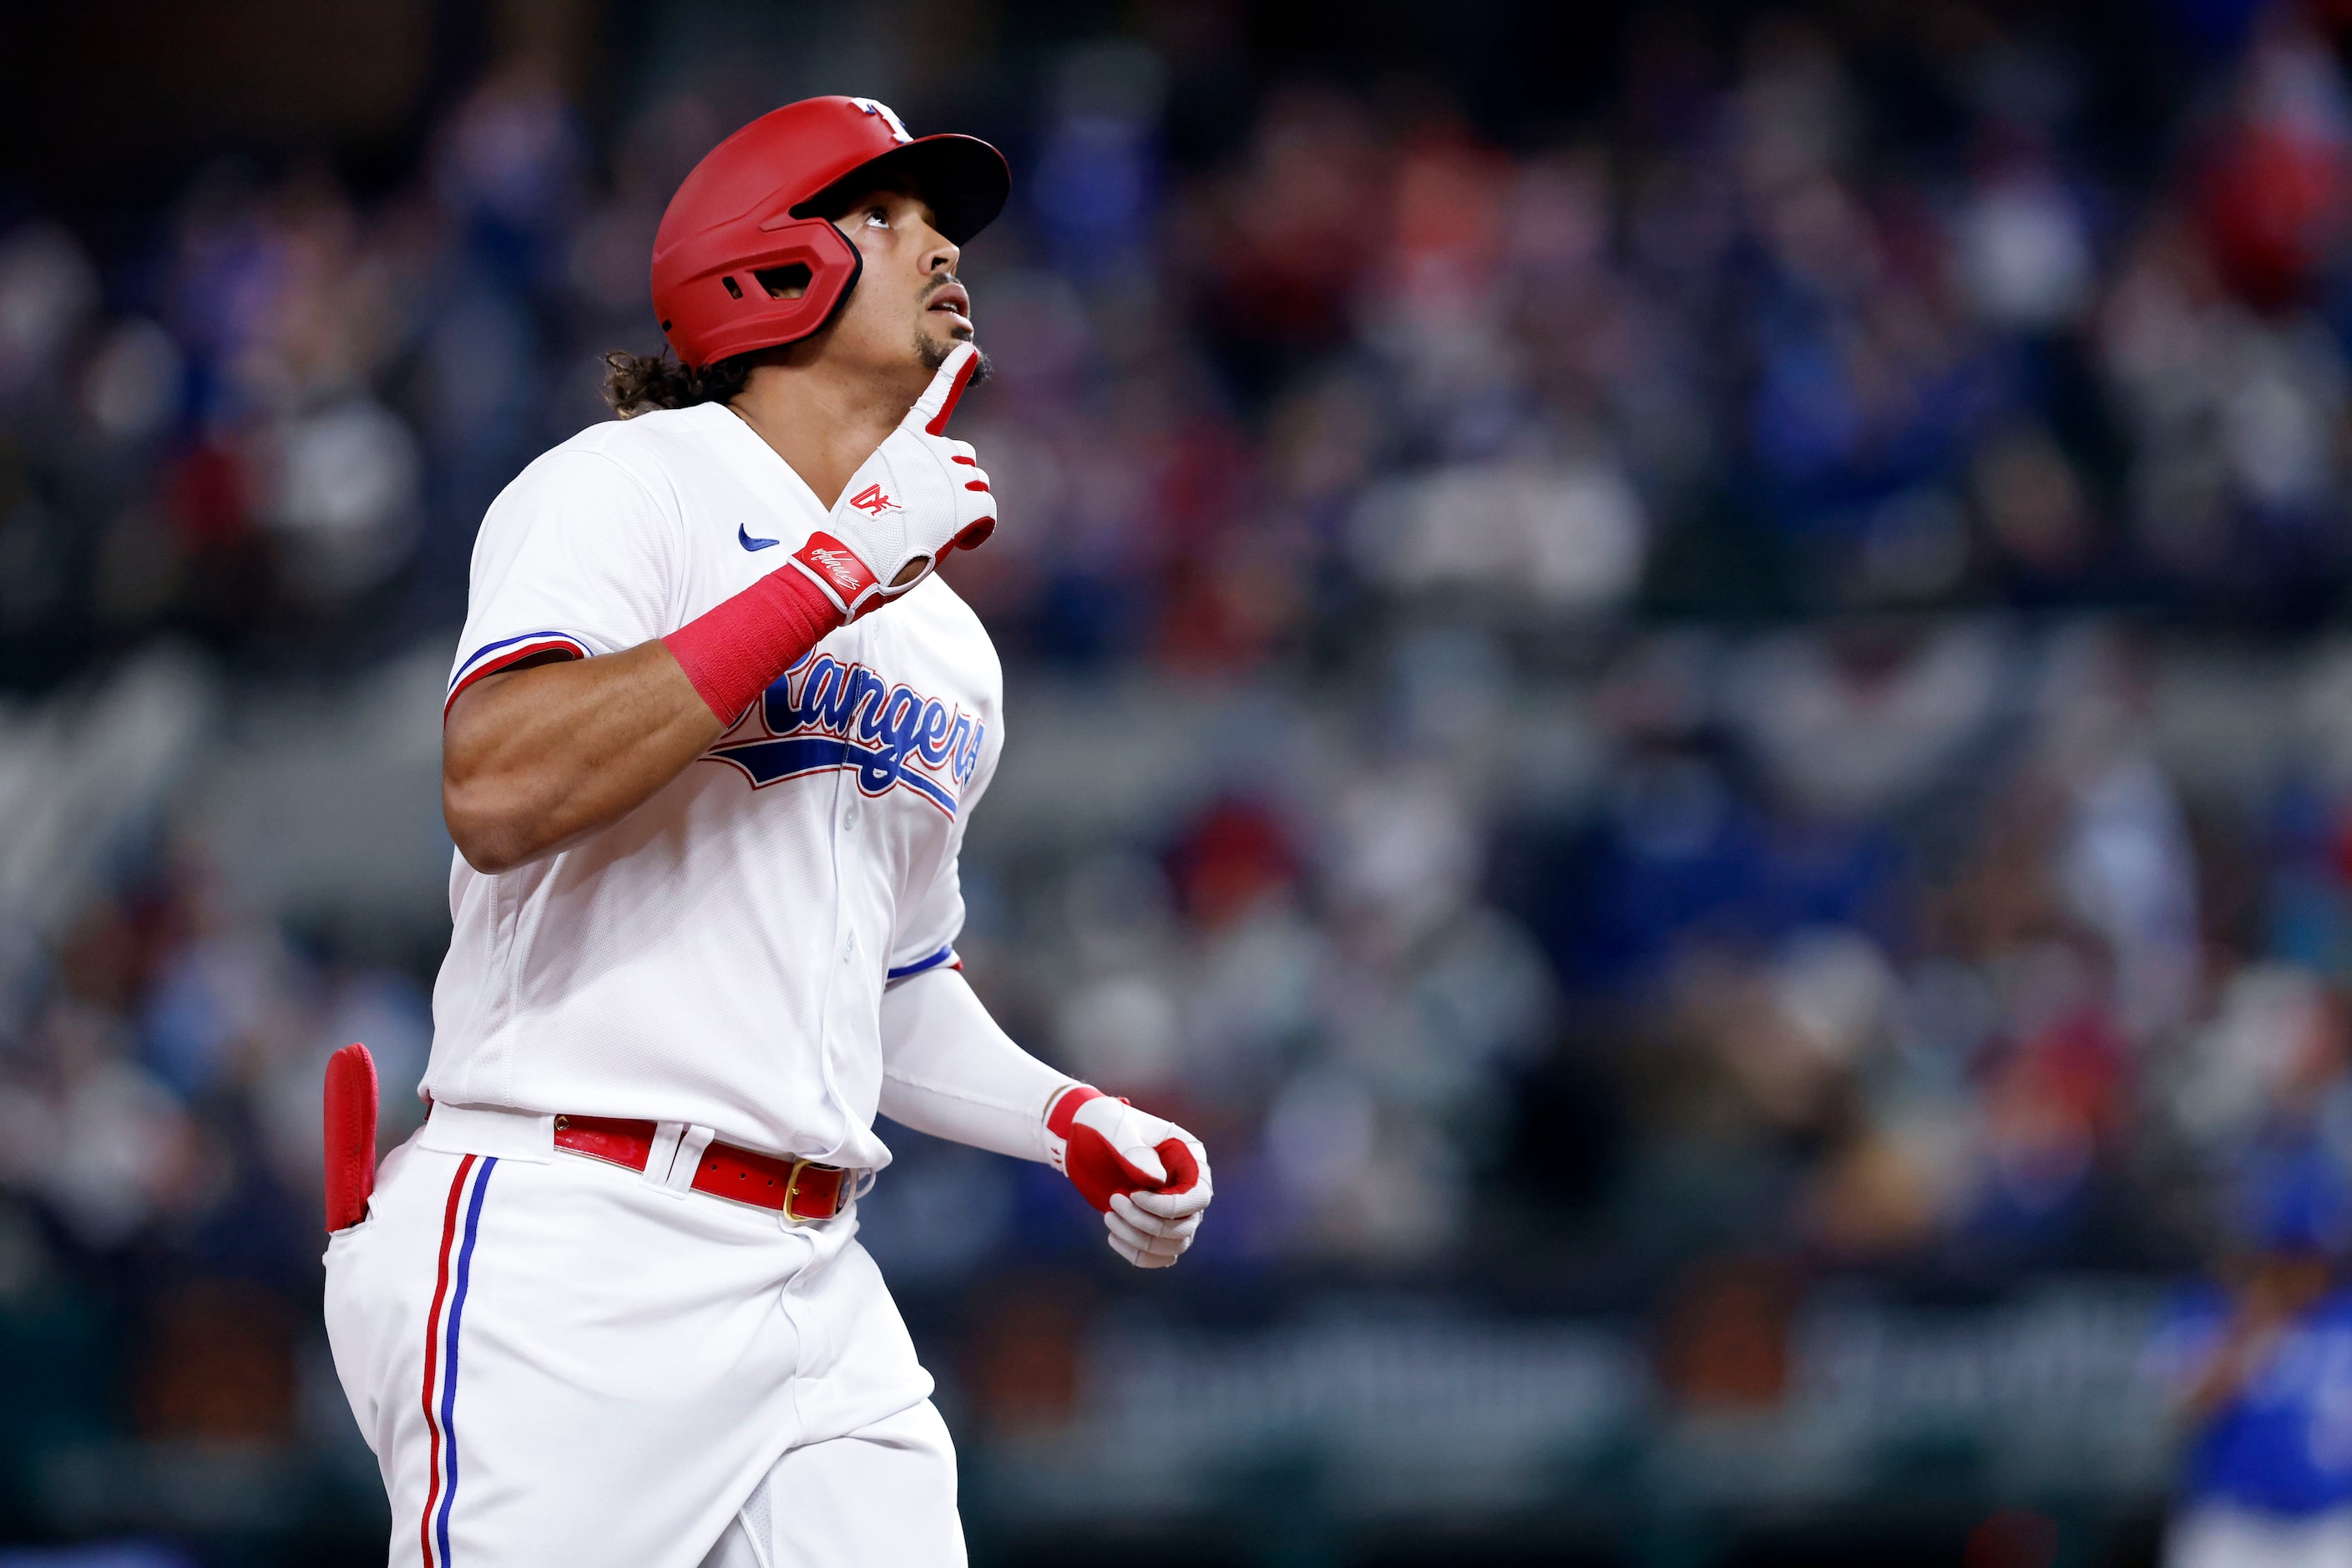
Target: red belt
[(800, 1189)]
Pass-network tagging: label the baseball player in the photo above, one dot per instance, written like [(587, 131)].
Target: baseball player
[(714, 731)]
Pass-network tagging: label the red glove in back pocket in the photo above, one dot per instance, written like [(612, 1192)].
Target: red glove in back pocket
[(351, 1136)]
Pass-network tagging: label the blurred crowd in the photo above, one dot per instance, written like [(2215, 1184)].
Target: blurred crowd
[(1681, 634)]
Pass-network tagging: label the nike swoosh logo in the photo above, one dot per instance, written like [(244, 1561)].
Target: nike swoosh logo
[(751, 544)]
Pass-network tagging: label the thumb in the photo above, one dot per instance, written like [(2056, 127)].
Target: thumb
[(1142, 1163), (929, 413), (1184, 1168)]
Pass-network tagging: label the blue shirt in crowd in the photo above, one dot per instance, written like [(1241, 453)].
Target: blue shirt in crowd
[(2283, 1445)]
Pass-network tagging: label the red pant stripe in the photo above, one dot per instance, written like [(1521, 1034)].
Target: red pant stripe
[(432, 1363)]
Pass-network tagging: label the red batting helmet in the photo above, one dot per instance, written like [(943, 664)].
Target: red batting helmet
[(745, 259)]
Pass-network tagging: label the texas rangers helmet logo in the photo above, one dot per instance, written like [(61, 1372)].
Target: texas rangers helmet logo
[(872, 502), (881, 111)]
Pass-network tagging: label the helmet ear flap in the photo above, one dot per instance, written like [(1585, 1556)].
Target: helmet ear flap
[(727, 301), (842, 284)]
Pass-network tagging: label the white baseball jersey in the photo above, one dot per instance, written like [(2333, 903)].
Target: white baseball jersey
[(718, 956)]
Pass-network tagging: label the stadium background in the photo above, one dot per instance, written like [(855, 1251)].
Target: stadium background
[(1681, 675)]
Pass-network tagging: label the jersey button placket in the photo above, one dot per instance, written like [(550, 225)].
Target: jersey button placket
[(830, 993), (845, 937)]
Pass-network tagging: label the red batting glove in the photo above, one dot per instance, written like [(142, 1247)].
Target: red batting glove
[(1147, 1177), (918, 496)]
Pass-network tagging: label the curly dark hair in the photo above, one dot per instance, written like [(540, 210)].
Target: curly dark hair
[(635, 383)]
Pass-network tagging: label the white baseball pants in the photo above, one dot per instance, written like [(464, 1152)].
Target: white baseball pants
[(558, 1361)]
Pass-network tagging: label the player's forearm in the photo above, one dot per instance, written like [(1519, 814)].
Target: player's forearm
[(532, 759), (949, 1071)]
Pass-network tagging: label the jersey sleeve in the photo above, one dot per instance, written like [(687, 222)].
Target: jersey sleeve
[(575, 558), (929, 923)]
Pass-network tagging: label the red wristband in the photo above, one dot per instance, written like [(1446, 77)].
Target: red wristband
[(734, 650)]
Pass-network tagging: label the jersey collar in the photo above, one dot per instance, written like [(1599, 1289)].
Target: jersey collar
[(757, 461)]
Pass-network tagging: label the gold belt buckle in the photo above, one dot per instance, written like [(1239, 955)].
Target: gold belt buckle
[(792, 1190)]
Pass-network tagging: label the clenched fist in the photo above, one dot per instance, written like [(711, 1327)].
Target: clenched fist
[(1147, 1177)]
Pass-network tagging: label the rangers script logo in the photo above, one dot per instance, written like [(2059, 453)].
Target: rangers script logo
[(826, 716)]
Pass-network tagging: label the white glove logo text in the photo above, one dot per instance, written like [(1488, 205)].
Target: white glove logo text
[(843, 569)]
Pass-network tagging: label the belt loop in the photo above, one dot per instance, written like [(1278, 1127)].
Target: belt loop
[(691, 1148), (663, 1154)]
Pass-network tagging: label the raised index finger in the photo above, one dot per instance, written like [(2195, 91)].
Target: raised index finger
[(930, 411)]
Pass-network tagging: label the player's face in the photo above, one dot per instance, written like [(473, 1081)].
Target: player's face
[(907, 311)]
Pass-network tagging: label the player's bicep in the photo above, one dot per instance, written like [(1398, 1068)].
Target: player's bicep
[(470, 695), (501, 661)]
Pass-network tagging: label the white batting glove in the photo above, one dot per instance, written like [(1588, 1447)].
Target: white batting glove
[(1147, 1177), (918, 496)]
